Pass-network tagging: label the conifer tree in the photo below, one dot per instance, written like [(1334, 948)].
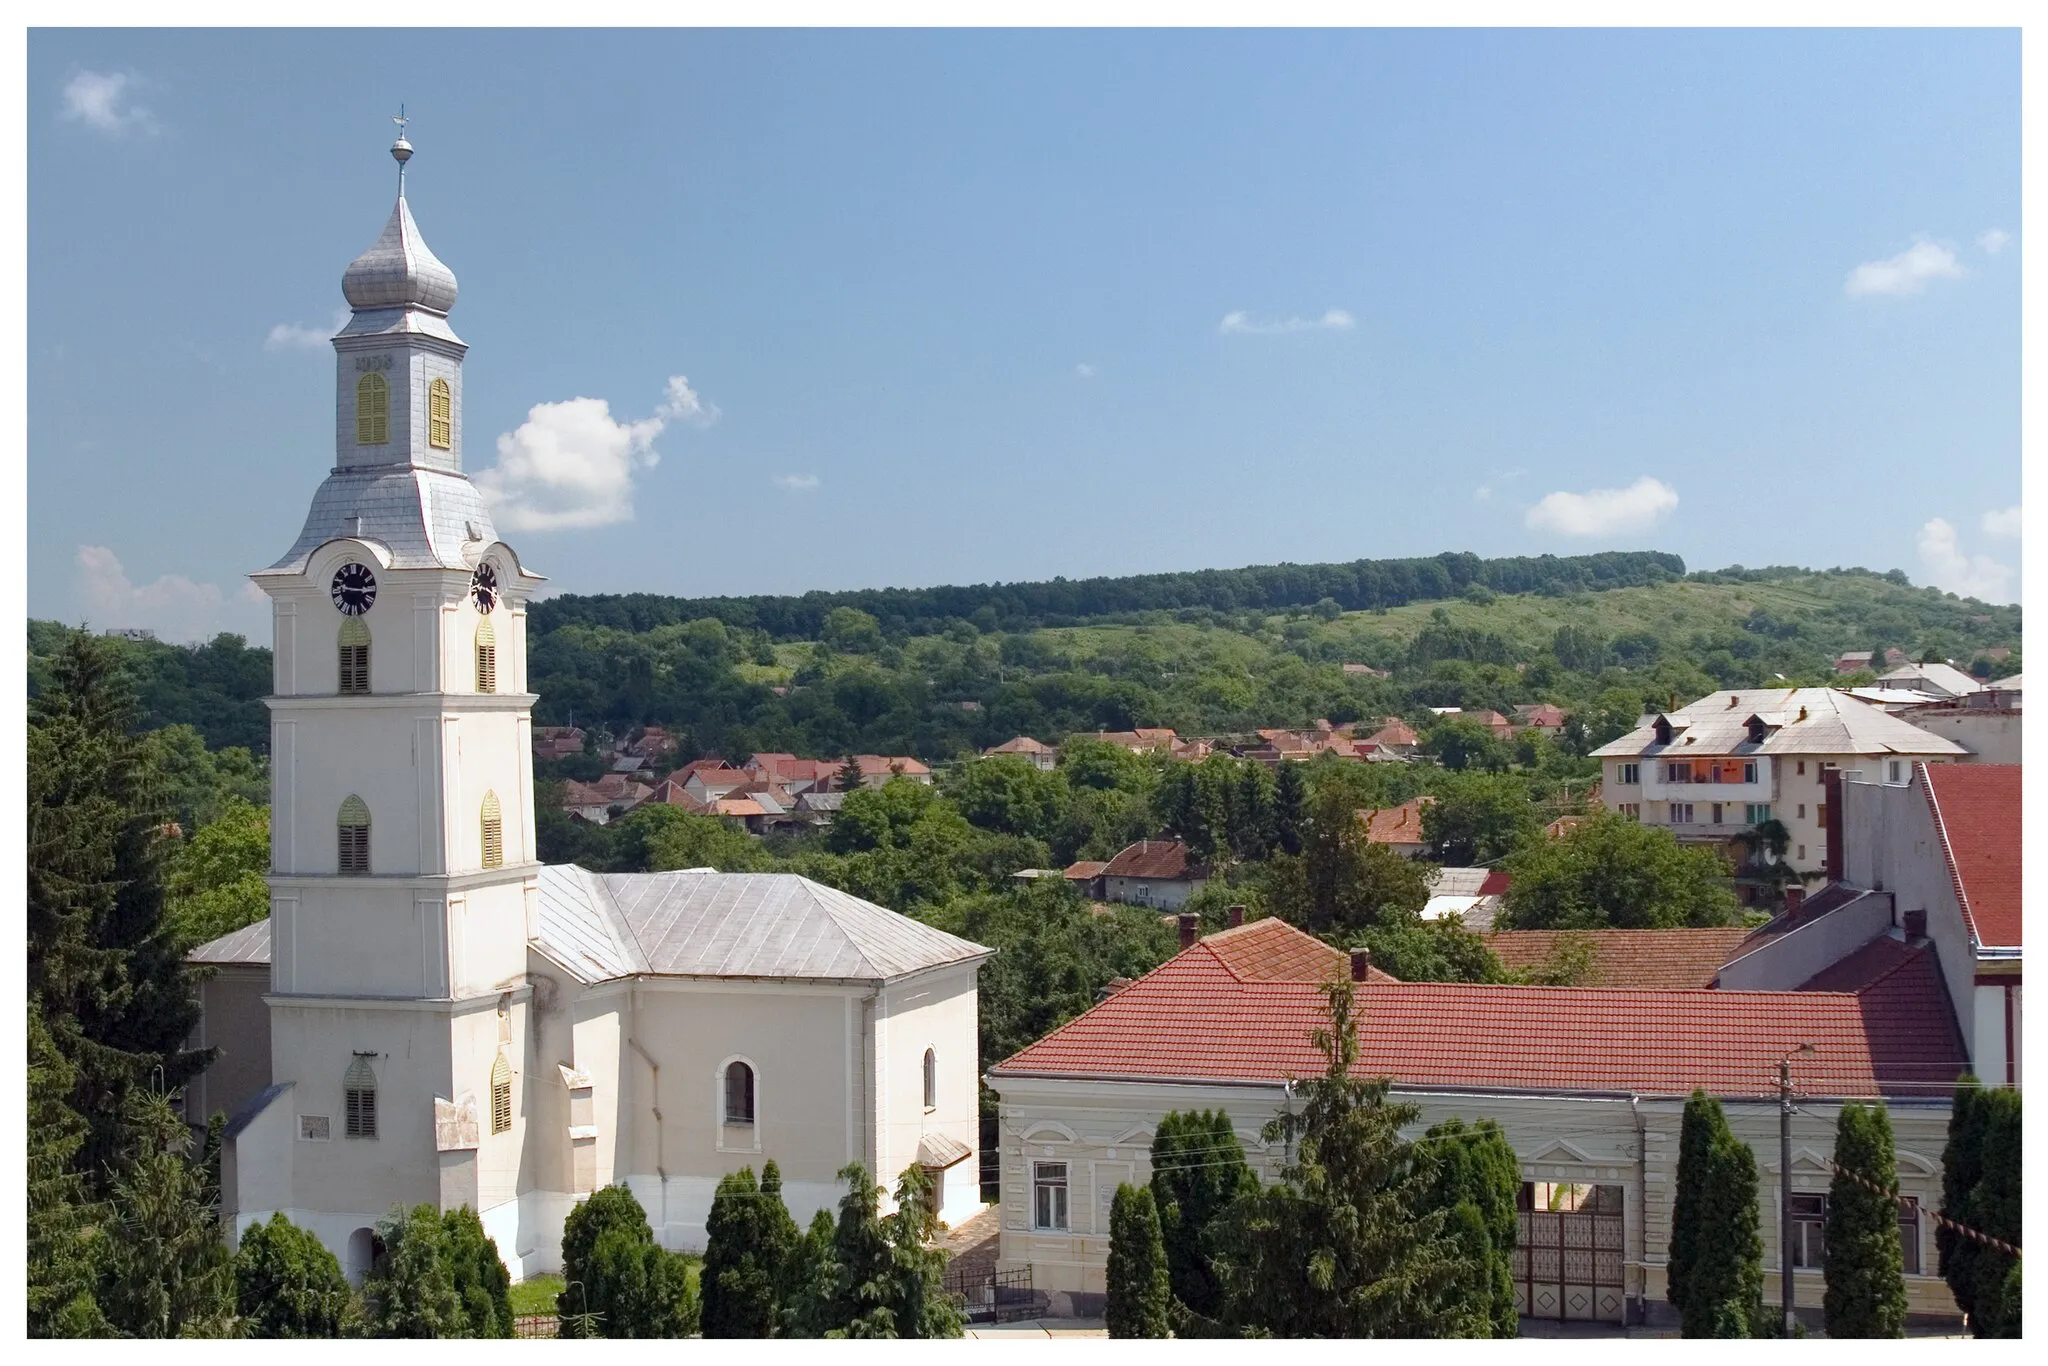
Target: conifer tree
[(613, 1269), (1866, 1286), (1139, 1296), (1994, 1210), (738, 1280), (410, 1291), (1477, 1177), (1198, 1168), (808, 1280), (482, 1284), (66, 1235), (922, 1308), (1290, 806), (862, 1263), (849, 779), (1962, 1167), (167, 1272), (1696, 1131), (288, 1285), (1724, 1290)]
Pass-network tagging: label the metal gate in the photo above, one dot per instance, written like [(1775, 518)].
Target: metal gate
[(1568, 1261), (987, 1295)]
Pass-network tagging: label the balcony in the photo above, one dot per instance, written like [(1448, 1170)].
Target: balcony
[(1702, 832), (1658, 787)]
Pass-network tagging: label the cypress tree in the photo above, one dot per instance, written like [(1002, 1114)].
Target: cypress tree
[(1198, 1168), (1962, 1167), (1475, 1175), (1139, 1295), (1724, 1288), (1290, 803), (1994, 1210), (1866, 1286), (1702, 1121), (736, 1281)]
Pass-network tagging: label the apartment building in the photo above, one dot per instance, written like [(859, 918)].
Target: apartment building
[(1713, 771)]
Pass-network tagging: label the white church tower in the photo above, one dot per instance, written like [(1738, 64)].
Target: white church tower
[(403, 860)]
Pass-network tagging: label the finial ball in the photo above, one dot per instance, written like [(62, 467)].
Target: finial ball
[(401, 151)]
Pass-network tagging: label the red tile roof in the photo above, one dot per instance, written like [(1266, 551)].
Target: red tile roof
[(1158, 860), (1879, 957), (1977, 809), (1662, 960), (1541, 714), (1271, 950), (1395, 732), (1023, 744), (883, 765), (1397, 824), (1195, 1019), (1085, 870)]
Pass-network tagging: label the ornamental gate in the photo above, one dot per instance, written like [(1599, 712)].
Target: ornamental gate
[(1568, 1256)]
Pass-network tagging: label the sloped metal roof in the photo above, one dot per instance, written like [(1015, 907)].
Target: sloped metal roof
[(250, 944), (1808, 721), (427, 519), (581, 929)]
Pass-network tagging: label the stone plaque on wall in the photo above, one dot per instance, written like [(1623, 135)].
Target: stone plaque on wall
[(455, 1126)]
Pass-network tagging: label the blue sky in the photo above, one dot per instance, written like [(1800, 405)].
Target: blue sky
[(961, 307)]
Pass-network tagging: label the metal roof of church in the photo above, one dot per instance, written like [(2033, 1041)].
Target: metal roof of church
[(425, 518)]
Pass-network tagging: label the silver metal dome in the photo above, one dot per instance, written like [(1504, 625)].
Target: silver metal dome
[(399, 271)]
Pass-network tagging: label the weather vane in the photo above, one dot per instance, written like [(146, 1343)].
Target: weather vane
[(401, 150), (399, 119)]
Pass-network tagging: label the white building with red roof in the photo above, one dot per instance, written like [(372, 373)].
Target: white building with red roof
[(1588, 1084)]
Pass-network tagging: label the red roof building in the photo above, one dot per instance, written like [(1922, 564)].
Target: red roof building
[(1657, 960), (1398, 827), (1977, 810)]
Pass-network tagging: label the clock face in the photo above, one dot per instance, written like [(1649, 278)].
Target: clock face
[(483, 587), (353, 590)]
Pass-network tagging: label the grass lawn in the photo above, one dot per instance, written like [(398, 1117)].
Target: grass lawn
[(536, 1294)]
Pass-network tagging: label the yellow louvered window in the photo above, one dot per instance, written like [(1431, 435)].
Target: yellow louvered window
[(373, 410), (501, 1096), (440, 415), (486, 657), (359, 1099), (352, 829), (354, 656), (494, 832)]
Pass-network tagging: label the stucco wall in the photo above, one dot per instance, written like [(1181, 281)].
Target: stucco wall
[(233, 1020), (1787, 961), (1992, 735), (1103, 1131), (1160, 895)]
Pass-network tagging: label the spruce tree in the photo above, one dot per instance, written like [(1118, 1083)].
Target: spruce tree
[(1198, 1168), (1962, 1167), (167, 1272), (66, 1230), (849, 779), (1724, 1289), (288, 1285), (1476, 1176), (1696, 1131), (1139, 1296), (1866, 1286)]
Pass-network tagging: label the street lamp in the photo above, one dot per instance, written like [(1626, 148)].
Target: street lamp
[(1785, 1176)]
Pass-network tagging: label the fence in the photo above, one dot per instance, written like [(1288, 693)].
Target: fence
[(986, 1295), (536, 1326)]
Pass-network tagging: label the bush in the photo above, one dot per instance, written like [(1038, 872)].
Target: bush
[(614, 1272), (288, 1285), (410, 1291), (1139, 1296), (481, 1283)]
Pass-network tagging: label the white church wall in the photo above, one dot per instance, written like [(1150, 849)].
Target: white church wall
[(357, 937), (936, 1011)]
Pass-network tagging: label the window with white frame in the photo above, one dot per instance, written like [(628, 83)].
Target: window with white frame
[(1630, 775), (1681, 813), (1809, 1230), (1049, 1195), (931, 1080), (739, 1093), (1758, 812)]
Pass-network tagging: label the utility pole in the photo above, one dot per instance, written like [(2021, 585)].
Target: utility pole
[(1785, 1186)]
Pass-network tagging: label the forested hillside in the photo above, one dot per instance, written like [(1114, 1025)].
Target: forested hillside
[(727, 675)]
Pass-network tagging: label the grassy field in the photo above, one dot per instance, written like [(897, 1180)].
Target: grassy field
[(536, 1294)]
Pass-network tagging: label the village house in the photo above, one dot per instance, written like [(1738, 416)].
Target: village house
[(1144, 740), (556, 742), (1041, 756), (1470, 896), (1396, 737), (1587, 1083), (605, 800), (1159, 873), (1985, 722), (1547, 717), (1399, 828), (1938, 681), (1656, 960), (877, 769), (1365, 671), (1713, 771), (1856, 661), (1085, 876), (793, 775)]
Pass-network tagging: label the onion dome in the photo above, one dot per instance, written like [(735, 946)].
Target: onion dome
[(399, 271)]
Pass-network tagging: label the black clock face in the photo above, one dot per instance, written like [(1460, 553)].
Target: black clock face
[(353, 590), (483, 588)]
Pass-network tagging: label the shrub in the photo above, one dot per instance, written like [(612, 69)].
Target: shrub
[(288, 1285), (1139, 1296)]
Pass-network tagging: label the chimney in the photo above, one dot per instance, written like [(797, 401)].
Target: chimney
[(1831, 789), (1794, 896), (1187, 929), (1916, 925), (1236, 914), (1361, 964)]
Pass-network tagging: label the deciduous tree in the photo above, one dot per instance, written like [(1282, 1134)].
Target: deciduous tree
[(1611, 872)]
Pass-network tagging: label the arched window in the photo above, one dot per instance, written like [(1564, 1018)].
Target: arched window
[(440, 415), (373, 410), (352, 829), (359, 1099), (501, 1095), (494, 832), (354, 652), (931, 1080), (739, 1093), (486, 656)]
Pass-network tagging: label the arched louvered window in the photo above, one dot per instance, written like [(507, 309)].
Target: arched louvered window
[(931, 1080), (501, 1095), (352, 830), (739, 1093), (494, 832), (353, 651), (373, 410), (486, 656), (359, 1099), (440, 415)]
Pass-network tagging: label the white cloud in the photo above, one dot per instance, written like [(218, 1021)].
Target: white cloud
[(795, 483), (2003, 522), (1994, 240), (1085, 371), (1605, 512), (1493, 482), (1947, 567), (299, 337), (571, 465), (1242, 324), (175, 607), (101, 101), (681, 403), (1906, 273)]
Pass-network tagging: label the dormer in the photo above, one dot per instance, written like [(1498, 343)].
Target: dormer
[(1666, 726), (1761, 727)]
